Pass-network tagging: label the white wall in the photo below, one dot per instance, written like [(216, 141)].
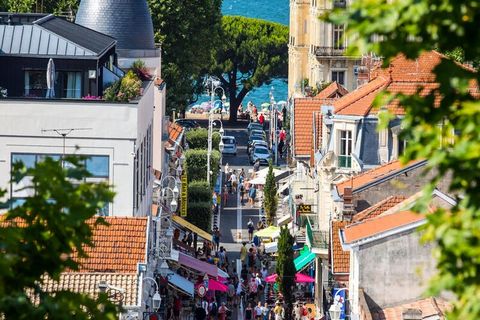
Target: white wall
[(112, 131)]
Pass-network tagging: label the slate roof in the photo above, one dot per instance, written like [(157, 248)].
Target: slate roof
[(87, 283), (402, 76), (303, 127), (128, 21), (430, 308), (52, 37), (117, 247)]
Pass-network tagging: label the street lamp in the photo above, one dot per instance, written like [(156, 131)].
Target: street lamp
[(335, 311), (156, 299), (215, 86), (173, 203)]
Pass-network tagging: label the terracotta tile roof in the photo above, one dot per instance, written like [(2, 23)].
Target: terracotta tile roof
[(369, 176), (380, 224), (429, 307), (340, 258), (174, 131), (379, 208), (303, 127), (88, 283), (333, 90), (117, 247), (402, 76)]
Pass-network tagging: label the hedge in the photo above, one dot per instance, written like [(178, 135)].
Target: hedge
[(198, 139), (200, 214), (198, 191), (196, 165)]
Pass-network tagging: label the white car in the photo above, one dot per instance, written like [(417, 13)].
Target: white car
[(260, 153), (230, 145)]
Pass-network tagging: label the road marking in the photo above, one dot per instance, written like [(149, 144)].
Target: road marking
[(239, 217)]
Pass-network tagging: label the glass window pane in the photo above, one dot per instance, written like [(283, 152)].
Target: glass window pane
[(42, 157), (27, 159), (98, 166)]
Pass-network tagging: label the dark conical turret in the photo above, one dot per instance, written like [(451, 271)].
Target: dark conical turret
[(128, 21)]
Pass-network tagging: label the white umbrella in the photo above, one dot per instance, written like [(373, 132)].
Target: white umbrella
[(50, 79), (281, 103)]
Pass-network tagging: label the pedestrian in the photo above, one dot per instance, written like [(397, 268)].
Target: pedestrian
[(243, 252), (298, 311), (278, 311), (256, 241), (258, 311), (234, 180), (216, 238), (205, 307), (190, 239), (305, 312), (200, 313), (265, 311), (252, 194), (226, 168), (225, 195), (222, 312), (241, 187), (177, 307), (222, 257), (249, 312), (213, 309), (251, 259), (281, 144), (261, 120), (251, 228), (256, 166), (242, 175)]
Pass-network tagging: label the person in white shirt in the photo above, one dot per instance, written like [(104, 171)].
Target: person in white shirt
[(205, 306), (234, 181), (258, 311)]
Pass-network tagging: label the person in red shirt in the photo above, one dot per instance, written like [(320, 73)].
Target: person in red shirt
[(261, 119)]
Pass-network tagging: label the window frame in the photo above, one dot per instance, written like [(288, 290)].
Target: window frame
[(345, 148)]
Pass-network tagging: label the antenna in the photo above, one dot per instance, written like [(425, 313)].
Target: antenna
[(64, 133)]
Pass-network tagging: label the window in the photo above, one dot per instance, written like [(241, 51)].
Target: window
[(338, 33), (98, 166), (345, 158), (338, 76), (67, 84), (29, 160)]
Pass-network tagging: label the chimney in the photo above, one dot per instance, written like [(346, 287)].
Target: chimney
[(348, 209), (412, 314)]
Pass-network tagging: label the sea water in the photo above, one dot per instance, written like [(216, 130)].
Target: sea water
[(272, 10)]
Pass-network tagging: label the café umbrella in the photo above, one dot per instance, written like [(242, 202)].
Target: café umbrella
[(299, 278), (50, 79)]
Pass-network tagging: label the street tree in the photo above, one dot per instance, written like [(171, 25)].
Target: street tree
[(40, 6), (251, 53), (270, 198), (285, 269), (441, 126), (188, 33), (41, 238)]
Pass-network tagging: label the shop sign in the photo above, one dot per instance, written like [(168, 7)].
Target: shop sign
[(304, 208), (201, 290), (184, 196)]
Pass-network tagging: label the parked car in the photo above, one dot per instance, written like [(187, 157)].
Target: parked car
[(187, 123), (230, 145), (254, 125), (260, 153), (252, 139), (257, 143), (257, 132)]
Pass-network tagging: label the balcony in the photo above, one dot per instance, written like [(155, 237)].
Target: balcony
[(329, 51), (316, 239), (339, 3), (344, 161)]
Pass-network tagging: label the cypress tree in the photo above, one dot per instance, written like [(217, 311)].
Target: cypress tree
[(286, 269), (270, 198)]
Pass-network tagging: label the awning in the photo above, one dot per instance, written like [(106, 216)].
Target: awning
[(305, 258), (181, 283), (223, 274), (271, 247), (184, 223), (269, 232), (284, 220), (198, 265)]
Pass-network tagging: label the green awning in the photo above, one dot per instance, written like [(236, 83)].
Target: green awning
[(303, 259)]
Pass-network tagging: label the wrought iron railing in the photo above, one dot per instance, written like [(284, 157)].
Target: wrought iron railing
[(329, 51)]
